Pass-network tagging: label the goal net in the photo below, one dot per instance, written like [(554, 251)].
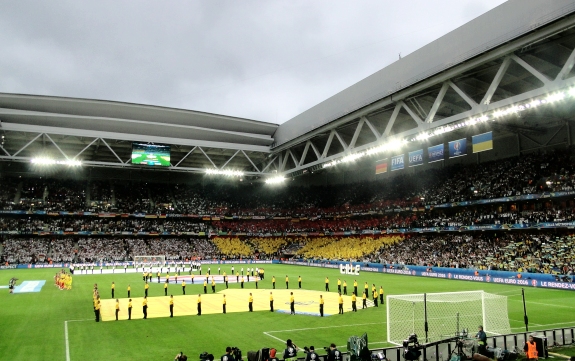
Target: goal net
[(447, 314), (148, 261)]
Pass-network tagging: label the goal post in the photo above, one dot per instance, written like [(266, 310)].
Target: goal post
[(447, 314), (147, 261)]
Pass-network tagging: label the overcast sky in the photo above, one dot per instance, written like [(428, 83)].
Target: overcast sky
[(265, 60)]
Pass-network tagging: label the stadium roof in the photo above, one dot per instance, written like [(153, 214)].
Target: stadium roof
[(521, 50), (508, 21), (208, 140)]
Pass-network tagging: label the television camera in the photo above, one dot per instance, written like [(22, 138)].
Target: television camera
[(411, 348)]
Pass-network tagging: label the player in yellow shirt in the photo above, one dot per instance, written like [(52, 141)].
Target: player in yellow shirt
[(145, 307), (117, 308), (129, 290), (321, 303), (113, 289), (345, 287), (298, 281), (251, 303), (199, 304), (130, 309), (146, 287), (292, 304), (340, 301), (171, 305), (287, 282), (224, 304), (353, 302), (327, 284), (271, 302)]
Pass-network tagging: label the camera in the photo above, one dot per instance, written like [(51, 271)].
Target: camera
[(204, 356), (411, 348), (326, 349), (237, 353)]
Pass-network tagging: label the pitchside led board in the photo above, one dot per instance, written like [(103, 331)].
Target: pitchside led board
[(458, 148), (151, 154)]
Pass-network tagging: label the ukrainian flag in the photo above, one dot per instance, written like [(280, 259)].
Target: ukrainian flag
[(482, 142)]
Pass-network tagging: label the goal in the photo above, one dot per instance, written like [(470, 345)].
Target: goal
[(146, 261), (447, 314)]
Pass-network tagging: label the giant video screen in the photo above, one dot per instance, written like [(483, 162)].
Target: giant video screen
[(151, 154)]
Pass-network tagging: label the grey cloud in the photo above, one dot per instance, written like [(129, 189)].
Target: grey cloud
[(265, 60)]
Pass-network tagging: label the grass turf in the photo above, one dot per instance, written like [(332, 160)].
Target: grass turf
[(32, 324)]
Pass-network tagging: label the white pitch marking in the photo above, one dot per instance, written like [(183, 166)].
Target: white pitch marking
[(336, 326), (66, 336)]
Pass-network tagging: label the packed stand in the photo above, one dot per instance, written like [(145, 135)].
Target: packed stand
[(21, 250)]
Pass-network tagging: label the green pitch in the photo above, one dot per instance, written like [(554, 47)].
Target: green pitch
[(33, 325)]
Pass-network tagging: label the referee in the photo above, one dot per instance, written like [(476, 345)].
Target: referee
[(171, 305), (226, 280), (274, 282), (129, 290), (355, 287), (287, 282), (381, 294), (364, 297), (213, 285)]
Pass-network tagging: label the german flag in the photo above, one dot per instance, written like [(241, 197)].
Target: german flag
[(381, 166)]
